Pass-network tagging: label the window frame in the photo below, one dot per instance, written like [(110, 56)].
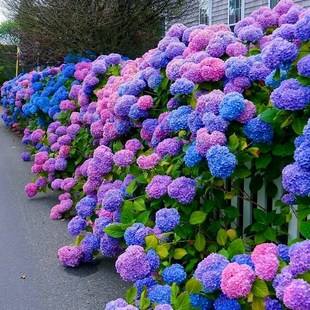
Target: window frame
[(269, 4), (242, 2), (209, 6)]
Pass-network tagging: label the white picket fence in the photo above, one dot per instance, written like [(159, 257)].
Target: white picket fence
[(262, 199)]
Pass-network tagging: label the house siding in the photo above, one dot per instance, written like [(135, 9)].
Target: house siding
[(219, 11)]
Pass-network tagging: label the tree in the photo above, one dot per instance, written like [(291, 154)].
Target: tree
[(48, 29)]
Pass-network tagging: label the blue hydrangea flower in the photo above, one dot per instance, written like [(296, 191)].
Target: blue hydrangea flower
[(135, 234), (224, 303), (136, 113), (160, 294), (258, 131), (174, 274), (243, 259), (167, 219), (154, 80), (192, 157), (153, 259), (221, 161), (302, 156), (178, 118), (182, 86), (200, 302), (237, 66), (147, 283), (283, 250), (89, 244), (272, 304), (232, 106)]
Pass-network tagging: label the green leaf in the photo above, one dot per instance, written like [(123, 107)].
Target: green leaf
[(221, 237), (270, 234), (144, 301), (163, 250), (193, 286), (263, 161), (139, 204), (143, 217), (200, 242), (256, 183), (268, 115), (131, 187), (116, 230), (197, 217), (126, 215), (305, 229), (260, 216), (224, 253), (174, 293), (131, 295), (233, 142), (299, 124), (260, 289), (258, 304), (283, 150), (182, 302), (179, 253), (236, 247)]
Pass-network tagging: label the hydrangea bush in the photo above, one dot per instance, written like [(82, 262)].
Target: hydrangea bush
[(151, 155)]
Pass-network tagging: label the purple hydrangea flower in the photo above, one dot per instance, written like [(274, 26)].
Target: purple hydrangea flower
[(133, 264), (76, 225), (70, 256), (112, 200), (182, 189), (291, 95), (158, 186), (169, 147), (303, 66), (297, 295)]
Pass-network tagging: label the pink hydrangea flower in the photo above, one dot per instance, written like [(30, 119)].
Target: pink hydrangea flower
[(237, 280)]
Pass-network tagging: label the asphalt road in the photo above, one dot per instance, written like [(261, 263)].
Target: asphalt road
[(30, 275)]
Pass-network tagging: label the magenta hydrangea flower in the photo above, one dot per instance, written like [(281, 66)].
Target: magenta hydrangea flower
[(236, 49), (147, 162), (212, 69), (158, 186), (237, 280), (123, 158), (133, 264), (70, 256), (31, 189), (265, 260), (182, 189), (205, 140)]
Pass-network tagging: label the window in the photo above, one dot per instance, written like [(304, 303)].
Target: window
[(235, 11), (272, 3), (204, 12)]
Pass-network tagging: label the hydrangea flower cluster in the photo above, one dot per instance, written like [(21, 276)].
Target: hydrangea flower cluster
[(136, 147)]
